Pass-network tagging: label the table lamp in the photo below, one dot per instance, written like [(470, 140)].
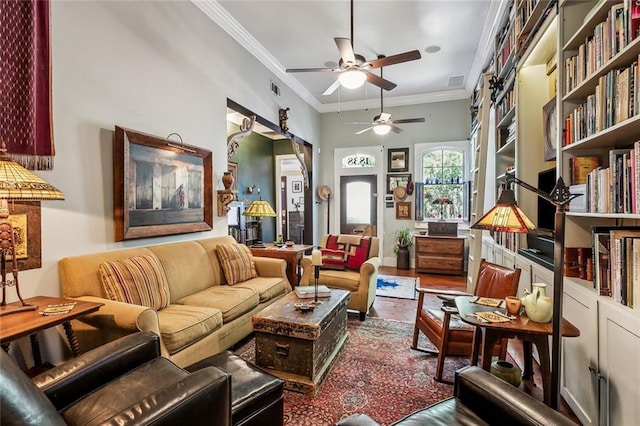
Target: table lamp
[(506, 216), (441, 201), (16, 183), (259, 209)]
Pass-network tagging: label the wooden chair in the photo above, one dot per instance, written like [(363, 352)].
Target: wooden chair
[(449, 334)]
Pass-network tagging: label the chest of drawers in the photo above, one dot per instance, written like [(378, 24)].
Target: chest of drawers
[(439, 255)]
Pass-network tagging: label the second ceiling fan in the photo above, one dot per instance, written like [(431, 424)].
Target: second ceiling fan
[(355, 68), (382, 123)]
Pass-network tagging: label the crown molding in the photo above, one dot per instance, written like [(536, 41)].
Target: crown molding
[(231, 26)]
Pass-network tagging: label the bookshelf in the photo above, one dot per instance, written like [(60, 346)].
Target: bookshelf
[(598, 109)]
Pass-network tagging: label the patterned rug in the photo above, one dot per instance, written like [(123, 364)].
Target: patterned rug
[(395, 286), (377, 374)]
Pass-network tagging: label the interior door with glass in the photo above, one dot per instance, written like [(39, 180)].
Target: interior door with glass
[(358, 205)]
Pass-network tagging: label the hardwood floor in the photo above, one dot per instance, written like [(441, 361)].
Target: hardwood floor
[(405, 310)]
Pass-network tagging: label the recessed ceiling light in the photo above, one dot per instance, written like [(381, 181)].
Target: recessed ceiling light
[(432, 49)]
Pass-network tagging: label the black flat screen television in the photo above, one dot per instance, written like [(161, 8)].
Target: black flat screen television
[(546, 210)]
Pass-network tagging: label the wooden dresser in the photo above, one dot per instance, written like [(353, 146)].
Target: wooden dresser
[(439, 254)]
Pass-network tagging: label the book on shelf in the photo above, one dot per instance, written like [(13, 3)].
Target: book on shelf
[(580, 168), (578, 262), (608, 260), (579, 204), (309, 291)]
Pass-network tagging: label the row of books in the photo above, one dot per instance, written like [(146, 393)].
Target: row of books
[(609, 38), (525, 9), (615, 189), (616, 256), (616, 98), (506, 104), (578, 262), (505, 42)]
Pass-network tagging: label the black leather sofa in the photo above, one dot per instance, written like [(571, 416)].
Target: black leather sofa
[(479, 398), (124, 382)]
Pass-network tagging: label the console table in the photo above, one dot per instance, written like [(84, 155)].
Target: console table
[(292, 255), (16, 325)]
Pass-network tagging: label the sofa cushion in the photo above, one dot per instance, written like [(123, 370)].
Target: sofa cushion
[(183, 325), (357, 248), (237, 262), (139, 280), (345, 280), (266, 287), (231, 301)]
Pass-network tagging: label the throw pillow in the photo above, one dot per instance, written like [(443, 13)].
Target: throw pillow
[(333, 259), (356, 247), (139, 280), (237, 262)]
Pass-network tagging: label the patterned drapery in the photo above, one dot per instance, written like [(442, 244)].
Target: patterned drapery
[(25, 85)]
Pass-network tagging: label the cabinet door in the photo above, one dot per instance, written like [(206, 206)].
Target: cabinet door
[(508, 259), (619, 363), (579, 380), (525, 274)]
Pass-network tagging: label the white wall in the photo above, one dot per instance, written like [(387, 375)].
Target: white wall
[(155, 67), (445, 121)]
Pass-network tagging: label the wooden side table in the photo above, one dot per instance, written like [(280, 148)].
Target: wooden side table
[(292, 255), (21, 324)]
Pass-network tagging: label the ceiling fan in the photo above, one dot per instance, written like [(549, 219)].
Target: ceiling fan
[(382, 123), (354, 68)]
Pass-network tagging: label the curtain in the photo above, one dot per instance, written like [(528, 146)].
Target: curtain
[(25, 83)]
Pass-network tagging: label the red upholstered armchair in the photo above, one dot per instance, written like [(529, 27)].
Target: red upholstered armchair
[(351, 263), (443, 327)]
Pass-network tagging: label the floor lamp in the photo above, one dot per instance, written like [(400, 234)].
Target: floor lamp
[(506, 216), (16, 184)]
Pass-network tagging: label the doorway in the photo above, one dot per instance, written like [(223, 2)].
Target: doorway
[(290, 199), (358, 205)]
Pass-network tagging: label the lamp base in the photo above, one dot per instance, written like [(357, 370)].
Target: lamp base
[(14, 309)]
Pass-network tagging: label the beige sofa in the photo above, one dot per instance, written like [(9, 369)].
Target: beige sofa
[(361, 283), (204, 315)]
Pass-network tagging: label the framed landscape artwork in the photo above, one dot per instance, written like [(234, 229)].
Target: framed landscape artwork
[(160, 187), (398, 160)]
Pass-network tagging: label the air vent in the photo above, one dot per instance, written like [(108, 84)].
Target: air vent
[(275, 89), (456, 80)]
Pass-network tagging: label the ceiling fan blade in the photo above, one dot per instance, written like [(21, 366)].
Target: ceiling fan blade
[(331, 88), (396, 129), (359, 122), (346, 50), (312, 69), (408, 120), (364, 130), (395, 59), (379, 81)]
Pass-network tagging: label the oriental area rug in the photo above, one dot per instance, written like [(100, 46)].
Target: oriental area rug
[(395, 286), (377, 374)]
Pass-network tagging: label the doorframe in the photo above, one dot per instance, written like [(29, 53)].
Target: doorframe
[(338, 154)]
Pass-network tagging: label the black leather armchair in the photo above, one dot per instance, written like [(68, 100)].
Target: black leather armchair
[(479, 398), (124, 382)]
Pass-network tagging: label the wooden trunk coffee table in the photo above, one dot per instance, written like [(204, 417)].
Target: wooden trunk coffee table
[(300, 347)]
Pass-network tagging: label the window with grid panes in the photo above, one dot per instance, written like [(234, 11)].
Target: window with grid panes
[(443, 176)]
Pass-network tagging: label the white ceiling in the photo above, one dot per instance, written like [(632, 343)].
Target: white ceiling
[(299, 34)]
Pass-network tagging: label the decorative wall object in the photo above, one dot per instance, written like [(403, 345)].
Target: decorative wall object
[(282, 115), (160, 187), (398, 160), (25, 87), (296, 186), (394, 181), (303, 166), (550, 122), (403, 210), (245, 130), (25, 218)]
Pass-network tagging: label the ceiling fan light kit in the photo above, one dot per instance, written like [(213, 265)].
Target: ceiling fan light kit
[(382, 129), (352, 79)]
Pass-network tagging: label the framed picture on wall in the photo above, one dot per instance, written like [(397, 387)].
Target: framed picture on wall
[(398, 160), (396, 180), (550, 122), (403, 210), (161, 188), (296, 186)]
